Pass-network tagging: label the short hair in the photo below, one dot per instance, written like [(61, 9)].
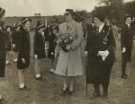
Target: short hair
[(24, 20), (71, 11), (100, 16), (9, 27), (127, 16)]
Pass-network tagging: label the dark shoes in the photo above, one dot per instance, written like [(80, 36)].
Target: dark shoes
[(124, 76), (95, 95), (2, 101), (64, 92), (67, 92), (105, 95), (98, 94), (40, 78), (23, 88)]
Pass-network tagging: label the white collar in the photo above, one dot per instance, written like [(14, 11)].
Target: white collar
[(101, 27)]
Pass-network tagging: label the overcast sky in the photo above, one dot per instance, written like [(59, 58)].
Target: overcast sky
[(45, 7)]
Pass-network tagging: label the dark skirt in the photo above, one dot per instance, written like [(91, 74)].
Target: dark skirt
[(41, 54), (20, 64), (2, 63), (98, 71)]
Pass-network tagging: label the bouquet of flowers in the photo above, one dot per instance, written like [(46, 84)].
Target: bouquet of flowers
[(65, 42)]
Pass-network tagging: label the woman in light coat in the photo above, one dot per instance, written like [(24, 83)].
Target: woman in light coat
[(69, 63)]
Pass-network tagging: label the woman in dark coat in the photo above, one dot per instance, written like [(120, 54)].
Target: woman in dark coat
[(100, 46), (39, 49), (23, 60), (2, 48), (127, 35)]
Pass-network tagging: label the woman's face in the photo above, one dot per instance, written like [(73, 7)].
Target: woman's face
[(18, 28), (8, 29), (107, 21), (54, 31), (27, 25), (68, 17), (128, 20), (41, 30), (96, 21)]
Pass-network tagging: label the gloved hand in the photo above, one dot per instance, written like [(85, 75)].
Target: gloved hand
[(86, 53), (123, 50), (103, 54), (35, 56), (23, 60)]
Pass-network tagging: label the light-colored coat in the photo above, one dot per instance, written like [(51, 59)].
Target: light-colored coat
[(70, 63)]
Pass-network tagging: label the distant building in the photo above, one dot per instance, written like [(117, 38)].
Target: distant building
[(44, 19), (37, 14)]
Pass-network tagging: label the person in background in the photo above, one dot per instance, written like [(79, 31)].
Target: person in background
[(15, 38), (2, 50), (23, 60), (39, 49), (101, 56), (127, 34), (69, 63), (9, 43), (47, 32), (52, 45)]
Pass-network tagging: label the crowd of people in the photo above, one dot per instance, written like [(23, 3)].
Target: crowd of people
[(68, 42)]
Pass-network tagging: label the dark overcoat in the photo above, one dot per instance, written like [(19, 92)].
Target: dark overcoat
[(15, 39), (98, 71), (51, 39), (8, 41), (2, 53), (39, 45), (23, 49), (127, 35)]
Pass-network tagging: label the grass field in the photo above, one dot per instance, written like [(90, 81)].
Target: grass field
[(48, 91)]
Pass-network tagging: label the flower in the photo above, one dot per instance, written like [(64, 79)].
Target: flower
[(65, 42)]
